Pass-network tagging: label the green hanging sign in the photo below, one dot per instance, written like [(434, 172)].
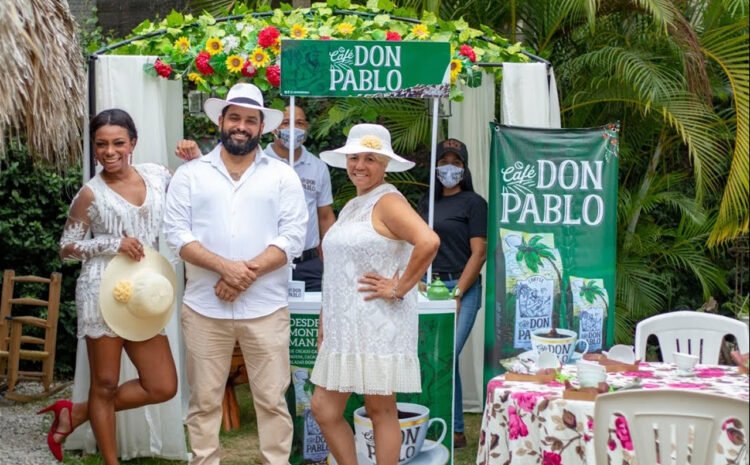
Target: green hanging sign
[(552, 241), (348, 68)]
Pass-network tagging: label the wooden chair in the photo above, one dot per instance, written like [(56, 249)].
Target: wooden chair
[(13, 341), (689, 332), (669, 426)]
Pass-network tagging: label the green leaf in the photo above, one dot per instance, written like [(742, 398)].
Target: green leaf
[(378, 35), (381, 20), (174, 19), (385, 5)]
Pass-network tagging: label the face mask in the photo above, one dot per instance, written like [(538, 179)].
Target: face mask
[(450, 175), (284, 137)]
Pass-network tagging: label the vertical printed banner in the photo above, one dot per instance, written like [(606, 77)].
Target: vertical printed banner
[(552, 237), (426, 418)]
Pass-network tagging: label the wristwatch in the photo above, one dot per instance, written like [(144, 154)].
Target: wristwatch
[(457, 294)]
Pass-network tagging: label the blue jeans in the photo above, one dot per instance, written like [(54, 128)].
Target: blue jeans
[(470, 303)]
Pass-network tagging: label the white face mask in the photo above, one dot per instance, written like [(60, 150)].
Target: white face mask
[(450, 175), (299, 137)]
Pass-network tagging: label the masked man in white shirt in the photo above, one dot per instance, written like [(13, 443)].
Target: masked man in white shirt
[(237, 218), (316, 181)]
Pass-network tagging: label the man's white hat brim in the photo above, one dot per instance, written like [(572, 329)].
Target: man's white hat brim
[(271, 118), (119, 319)]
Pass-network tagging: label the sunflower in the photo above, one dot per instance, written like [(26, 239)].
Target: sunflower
[(259, 58), (298, 31), (214, 46), (196, 78), (182, 44), (420, 31), (345, 29), (235, 63), (456, 67)]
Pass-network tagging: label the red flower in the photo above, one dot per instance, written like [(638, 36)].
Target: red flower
[(468, 52), (267, 36), (325, 37), (249, 70), (273, 74), (162, 69), (392, 35), (201, 62), (551, 458)]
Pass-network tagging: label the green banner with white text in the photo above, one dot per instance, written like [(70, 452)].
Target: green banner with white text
[(348, 68), (426, 418), (551, 252)]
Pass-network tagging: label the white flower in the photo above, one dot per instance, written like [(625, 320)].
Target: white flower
[(230, 43)]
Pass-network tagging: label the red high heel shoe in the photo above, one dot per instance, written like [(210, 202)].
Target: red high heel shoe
[(57, 408)]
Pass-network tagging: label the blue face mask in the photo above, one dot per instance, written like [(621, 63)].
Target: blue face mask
[(449, 175), (299, 137)]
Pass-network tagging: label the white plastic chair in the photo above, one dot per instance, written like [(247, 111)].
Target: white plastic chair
[(690, 332), (667, 426)]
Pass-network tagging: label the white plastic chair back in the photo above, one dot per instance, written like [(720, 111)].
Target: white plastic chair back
[(690, 332), (667, 426)]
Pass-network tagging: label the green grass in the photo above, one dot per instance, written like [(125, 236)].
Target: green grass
[(240, 447)]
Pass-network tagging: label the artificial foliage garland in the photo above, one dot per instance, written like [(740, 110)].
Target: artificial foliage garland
[(213, 55)]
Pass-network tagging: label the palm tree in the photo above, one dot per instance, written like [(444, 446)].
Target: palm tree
[(590, 291), (42, 92), (532, 254)]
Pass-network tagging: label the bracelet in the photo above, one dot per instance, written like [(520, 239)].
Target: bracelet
[(394, 296)]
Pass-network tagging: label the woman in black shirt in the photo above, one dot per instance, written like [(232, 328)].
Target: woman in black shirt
[(460, 219)]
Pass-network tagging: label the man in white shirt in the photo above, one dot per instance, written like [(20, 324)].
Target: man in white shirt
[(316, 181), (237, 217)]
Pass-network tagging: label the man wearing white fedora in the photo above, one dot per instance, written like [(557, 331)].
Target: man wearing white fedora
[(237, 217)]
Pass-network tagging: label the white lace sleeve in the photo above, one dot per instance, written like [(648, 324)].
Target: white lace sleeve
[(74, 245)]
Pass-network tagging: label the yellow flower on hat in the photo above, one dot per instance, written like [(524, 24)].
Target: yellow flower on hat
[(182, 44), (345, 29), (420, 31), (235, 63), (214, 46), (298, 31), (123, 291), (259, 58), (372, 142)]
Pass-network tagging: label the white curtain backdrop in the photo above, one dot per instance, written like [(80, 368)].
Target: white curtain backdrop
[(469, 123), (529, 96), (156, 107)]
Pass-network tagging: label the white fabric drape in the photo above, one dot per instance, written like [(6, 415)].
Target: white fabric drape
[(469, 123), (529, 96), (156, 107)]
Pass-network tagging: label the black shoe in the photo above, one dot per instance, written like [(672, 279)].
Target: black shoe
[(459, 440)]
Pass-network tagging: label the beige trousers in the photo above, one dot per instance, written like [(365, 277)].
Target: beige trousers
[(209, 344)]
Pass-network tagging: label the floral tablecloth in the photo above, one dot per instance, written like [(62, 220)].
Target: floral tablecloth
[(528, 423)]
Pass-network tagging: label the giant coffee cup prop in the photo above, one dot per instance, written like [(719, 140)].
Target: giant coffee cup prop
[(414, 420), (562, 346)]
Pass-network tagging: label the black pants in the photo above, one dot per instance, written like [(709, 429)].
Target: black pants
[(311, 272)]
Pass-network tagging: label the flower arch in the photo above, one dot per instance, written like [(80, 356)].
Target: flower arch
[(215, 53)]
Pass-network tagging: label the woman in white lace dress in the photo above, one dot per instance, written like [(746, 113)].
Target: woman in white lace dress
[(122, 208), (375, 254)]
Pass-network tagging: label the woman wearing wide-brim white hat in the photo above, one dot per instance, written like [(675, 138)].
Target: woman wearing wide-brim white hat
[(375, 253)]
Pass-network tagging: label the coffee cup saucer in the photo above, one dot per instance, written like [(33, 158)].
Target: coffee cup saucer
[(684, 373), (439, 455)]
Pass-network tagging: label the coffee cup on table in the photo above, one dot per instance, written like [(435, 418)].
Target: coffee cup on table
[(563, 346), (685, 362), (414, 420)]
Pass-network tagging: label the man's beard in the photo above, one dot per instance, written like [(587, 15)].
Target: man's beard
[(239, 149)]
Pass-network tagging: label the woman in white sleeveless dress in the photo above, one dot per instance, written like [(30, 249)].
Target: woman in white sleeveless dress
[(375, 253), (122, 207)]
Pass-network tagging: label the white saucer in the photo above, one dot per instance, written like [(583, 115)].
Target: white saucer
[(440, 455)]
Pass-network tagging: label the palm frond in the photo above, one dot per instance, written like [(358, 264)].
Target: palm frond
[(42, 92), (728, 46), (664, 12)]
